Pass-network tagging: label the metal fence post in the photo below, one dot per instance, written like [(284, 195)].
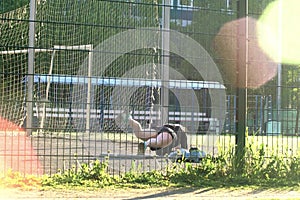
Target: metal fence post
[(30, 75), (242, 86), (166, 60)]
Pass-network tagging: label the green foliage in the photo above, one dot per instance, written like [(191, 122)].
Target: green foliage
[(290, 86), (144, 179), (258, 170), (88, 175), (11, 5)]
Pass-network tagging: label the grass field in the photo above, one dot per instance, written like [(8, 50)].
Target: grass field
[(49, 152), (209, 143)]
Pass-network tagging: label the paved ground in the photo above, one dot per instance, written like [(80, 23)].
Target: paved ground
[(17, 153), (134, 194)]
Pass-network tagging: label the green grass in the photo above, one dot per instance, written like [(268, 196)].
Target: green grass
[(278, 143), (281, 144), (257, 169)]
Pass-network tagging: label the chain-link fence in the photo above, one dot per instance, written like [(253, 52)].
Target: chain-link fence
[(71, 69)]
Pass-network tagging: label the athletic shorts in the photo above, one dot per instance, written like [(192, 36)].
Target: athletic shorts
[(168, 130)]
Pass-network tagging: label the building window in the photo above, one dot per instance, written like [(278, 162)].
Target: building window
[(228, 7), (182, 4), (188, 3), (229, 4)]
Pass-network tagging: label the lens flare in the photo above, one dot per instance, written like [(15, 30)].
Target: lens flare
[(16, 150), (230, 45), (278, 31)]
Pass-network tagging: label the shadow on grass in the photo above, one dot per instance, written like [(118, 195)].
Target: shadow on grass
[(173, 192), (225, 191)]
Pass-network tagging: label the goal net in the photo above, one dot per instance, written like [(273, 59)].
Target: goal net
[(68, 88), (13, 36)]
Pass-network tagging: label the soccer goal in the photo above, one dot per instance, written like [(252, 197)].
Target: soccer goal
[(67, 98), (48, 62)]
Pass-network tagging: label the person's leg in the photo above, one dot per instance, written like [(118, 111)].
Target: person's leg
[(141, 133), (162, 140)]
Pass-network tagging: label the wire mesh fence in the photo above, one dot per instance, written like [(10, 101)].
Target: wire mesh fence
[(161, 61)]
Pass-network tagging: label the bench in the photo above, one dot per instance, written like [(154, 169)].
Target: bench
[(112, 114), (188, 119)]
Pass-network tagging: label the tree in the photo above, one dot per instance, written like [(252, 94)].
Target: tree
[(7, 6)]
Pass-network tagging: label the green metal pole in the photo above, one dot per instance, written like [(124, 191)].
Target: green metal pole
[(30, 75), (242, 12)]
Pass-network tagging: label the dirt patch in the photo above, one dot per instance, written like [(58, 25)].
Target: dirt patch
[(152, 193)]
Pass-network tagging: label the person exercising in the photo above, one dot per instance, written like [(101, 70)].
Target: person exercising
[(160, 139)]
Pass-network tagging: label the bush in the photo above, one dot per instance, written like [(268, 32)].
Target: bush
[(88, 175)]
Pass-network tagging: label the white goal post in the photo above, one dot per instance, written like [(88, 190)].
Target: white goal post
[(88, 47)]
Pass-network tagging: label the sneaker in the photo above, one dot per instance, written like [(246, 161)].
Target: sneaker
[(142, 148)]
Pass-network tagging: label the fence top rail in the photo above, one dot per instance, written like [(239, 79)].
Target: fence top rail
[(129, 82)]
